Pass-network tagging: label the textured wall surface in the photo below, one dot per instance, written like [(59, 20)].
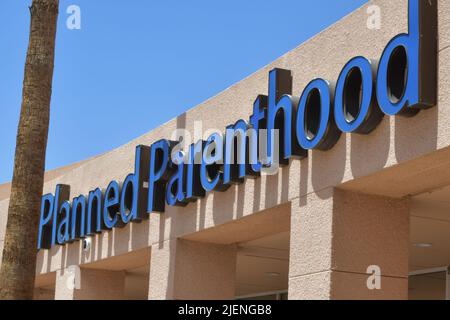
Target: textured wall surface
[(91, 285), (334, 241)]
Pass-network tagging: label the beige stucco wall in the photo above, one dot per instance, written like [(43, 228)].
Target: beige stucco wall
[(334, 241), (403, 156), (183, 269), (92, 284)]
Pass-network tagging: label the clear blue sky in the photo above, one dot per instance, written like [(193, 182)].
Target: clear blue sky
[(136, 64)]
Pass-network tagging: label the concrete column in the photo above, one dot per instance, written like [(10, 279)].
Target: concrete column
[(182, 269), (89, 284), (337, 235)]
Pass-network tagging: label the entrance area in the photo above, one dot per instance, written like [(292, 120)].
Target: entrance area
[(262, 268), (430, 239)]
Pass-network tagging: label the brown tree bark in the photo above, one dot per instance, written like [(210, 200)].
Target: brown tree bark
[(18, 267)]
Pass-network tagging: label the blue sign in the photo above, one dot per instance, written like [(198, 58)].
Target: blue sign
[(402, 83)]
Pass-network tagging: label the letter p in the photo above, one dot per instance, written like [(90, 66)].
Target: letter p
[(45, 222)]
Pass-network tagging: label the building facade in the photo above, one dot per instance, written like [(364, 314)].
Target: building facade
[(367, 218)]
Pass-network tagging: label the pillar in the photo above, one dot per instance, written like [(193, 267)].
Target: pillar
[(182, 269), (89, 284), (339, 242)]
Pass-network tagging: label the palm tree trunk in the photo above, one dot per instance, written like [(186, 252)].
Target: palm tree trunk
[(19, 254)]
